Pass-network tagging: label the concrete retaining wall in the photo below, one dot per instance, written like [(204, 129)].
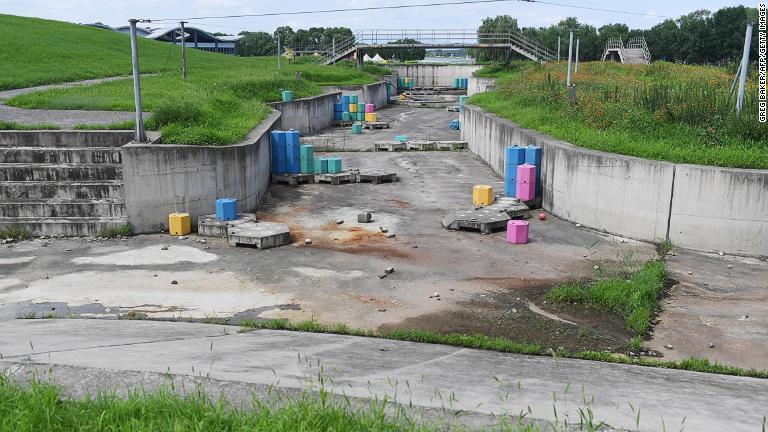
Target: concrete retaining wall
[(307, 115), (163, 178), (65, 138), (480, 85), (427, 75), (375, 93), (697, 207)]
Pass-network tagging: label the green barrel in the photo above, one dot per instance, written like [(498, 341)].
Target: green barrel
[(361, 108), (360, 116), (306, 157), (321, 166)]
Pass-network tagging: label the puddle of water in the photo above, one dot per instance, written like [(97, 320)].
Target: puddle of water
[(17, 260), (535, 309)]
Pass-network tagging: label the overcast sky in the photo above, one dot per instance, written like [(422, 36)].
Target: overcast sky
[(117, 12)]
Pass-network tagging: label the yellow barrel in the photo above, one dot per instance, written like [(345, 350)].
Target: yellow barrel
[(370, 117), (179, 224), (353, 107), (482, 195)]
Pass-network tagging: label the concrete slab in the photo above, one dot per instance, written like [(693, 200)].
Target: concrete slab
[(262, 235), (720, 301), (210, 226), (76, 352)]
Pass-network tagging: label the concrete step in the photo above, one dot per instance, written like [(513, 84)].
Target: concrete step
[(63, 208), (59, 172), (75, 226), (44, 190), (53, 155), (65, 138)]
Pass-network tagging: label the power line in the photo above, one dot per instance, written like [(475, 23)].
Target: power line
[(371, 8)]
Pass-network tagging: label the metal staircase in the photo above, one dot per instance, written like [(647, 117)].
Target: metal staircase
[(434, 38), (635, 52)]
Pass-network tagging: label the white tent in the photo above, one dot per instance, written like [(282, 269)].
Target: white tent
[(366, 58), (377, 58)]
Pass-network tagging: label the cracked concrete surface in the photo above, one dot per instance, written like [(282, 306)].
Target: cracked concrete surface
[(85, 356)]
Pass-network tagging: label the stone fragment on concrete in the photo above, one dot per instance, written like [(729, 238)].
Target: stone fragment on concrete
[(389, 270), (307, 241), (364, 217), (389, 235), (339, 221), (164, 247)]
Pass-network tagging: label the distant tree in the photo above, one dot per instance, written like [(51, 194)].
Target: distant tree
[(486, 31), (221, 34), (256, 44), (341, 34), (286, 35), (402, 54)]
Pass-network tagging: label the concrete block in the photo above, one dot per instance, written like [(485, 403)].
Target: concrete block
[(525, 191), (526, 174), (179, 224), (482, 195), (514, 155)]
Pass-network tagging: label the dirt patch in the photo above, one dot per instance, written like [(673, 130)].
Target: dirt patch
[(398, 203), (506, 314)]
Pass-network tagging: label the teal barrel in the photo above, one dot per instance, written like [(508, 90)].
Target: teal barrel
[(345, 116), (287, 95), (334, 165), (357, 128), (321, 166), (307, 155)]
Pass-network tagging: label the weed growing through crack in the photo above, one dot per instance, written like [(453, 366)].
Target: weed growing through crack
[(112, 232), (15, 232)]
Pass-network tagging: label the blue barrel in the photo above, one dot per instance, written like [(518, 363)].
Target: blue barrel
[(226, 209), (345, 101), (292, 152), (337, 115), (337, 107), (278, 152), (287, 95)]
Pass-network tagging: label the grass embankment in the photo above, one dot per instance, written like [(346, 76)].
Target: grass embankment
[(662, 111), (222, 99), (41, 407), (483, 342)]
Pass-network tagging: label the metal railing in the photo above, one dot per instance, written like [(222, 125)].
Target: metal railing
[(614, 44), (437, 38), (639, 43)]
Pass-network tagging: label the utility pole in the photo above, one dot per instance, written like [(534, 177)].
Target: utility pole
[(140, 135), (183, 51), (278, 51), (558, 48), (570, 56), (744, 67), (333, 49), (576, 68)]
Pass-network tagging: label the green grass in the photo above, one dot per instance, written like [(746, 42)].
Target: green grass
[(633, 298), (14, 232), (42, 407), (676, 113), (6, 125), (112, 232), (498, 344), (222, 99)]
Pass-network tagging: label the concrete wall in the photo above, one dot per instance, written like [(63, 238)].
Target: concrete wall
[(307, 115), (697, 207), (375, 93), (163, 178), (427, 75), (480, 85)]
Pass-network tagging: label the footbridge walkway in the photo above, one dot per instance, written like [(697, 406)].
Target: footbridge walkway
[(365, 40)]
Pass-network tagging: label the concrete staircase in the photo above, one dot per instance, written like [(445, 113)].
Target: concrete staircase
[(62, 182)]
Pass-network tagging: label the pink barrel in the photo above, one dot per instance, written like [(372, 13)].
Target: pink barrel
[(525, 189), (517, 232), (369, 108)]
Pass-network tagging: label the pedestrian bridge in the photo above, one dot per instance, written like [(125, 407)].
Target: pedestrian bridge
[(362, 40)]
